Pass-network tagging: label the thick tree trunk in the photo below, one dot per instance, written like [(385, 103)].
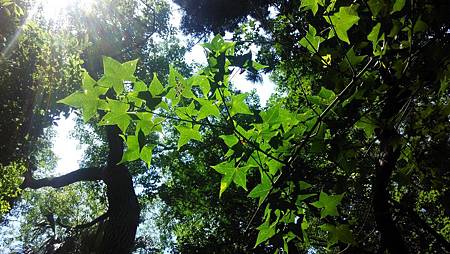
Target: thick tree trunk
[(120, 228), (123, 211), (391, 238)]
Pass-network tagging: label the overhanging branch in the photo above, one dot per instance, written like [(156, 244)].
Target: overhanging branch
[(82, 174), (85, 225)]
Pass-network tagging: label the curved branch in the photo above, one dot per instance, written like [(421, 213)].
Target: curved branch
[(82, 174), (85, 225)]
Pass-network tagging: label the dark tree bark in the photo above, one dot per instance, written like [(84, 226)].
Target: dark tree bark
[(120, 228), (391, 238), (82, 174), (123, 211)]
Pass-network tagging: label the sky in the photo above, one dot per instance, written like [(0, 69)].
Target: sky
[(70, 152)]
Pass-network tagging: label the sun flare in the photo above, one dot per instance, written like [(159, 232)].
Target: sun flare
[(56, 9)]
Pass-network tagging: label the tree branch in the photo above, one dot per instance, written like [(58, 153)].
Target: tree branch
[(85, 225), (82, 174)]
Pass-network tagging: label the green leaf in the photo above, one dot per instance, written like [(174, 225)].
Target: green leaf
[(230, 140), (398, 5), (75, 100), (87, 100), (343, 21), (266, 231), (341, 233), (146, 126), (146, 154), (132, 152), (238, 105), (230, 173), (114, 82), (311, 41), (302, 197), (353, 58), (203, 82), (274, 166), (87, 80), (312, 5), (111, 67), (186, 113), (187, 134), (122, 120), (444, 81), (116, 73), (257, 66), (272, 115), (227, 170), (88, 103), (156, 88), (326, 94), (420, 26), (117, 106), (367, 125), (375, 38), (261, 190), (376, 6), (139, 86), (207, 109), (118, 115), (328, 204), (304, 185), (240, 177), (129, 68)]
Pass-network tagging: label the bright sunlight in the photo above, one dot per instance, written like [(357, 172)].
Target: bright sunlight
[(56, 9)]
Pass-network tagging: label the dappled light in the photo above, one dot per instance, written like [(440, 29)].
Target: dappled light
[(159, 126)]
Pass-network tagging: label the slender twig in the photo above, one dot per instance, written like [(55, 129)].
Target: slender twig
[(182, 120), (255, 146), (340, 45), (327, 109)]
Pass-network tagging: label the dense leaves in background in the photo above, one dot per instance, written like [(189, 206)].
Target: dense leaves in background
[(384, 141), (47, 222), (38, 66), (351, 155), (218, 16)]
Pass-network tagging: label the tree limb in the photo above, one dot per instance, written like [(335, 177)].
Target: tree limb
[(82, 174), (85, 225)]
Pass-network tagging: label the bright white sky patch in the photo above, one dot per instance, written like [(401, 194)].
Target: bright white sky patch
[(263, 89), (67, 148), (197, 55), (55, 9)]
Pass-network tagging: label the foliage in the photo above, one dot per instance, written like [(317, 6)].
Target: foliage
[(218, 16), (255, 150), (105, 31), (9, 184), (351, 155), (365, 77), (38, 66)]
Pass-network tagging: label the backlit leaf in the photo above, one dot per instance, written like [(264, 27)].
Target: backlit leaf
[(238, 105), (156, 88), (187, 134), (311, 41), (343, 20)]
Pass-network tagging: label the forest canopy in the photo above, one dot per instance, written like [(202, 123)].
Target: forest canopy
[(349, 154)]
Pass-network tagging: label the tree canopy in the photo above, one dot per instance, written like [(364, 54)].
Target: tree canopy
[(350, 154)]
